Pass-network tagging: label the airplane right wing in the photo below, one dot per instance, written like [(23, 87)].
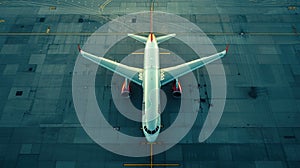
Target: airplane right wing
[(171, 73)]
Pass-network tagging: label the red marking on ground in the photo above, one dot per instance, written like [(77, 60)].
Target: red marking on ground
[(227, 48), (79, 49)]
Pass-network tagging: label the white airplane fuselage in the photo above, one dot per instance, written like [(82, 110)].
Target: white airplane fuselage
[(150, 78), (151, 90)]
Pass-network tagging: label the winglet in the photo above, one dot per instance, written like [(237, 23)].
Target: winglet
[(227, 48), (78, 46)]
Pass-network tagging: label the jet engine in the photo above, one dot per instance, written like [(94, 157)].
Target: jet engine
[(176, 89), (125, 91)]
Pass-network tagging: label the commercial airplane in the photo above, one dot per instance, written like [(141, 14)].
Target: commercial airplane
[(151, 78)]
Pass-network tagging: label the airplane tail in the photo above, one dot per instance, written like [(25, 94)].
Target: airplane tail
[(159, 39)]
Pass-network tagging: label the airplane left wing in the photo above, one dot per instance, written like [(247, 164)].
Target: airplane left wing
[(171, 73), (131, 73)]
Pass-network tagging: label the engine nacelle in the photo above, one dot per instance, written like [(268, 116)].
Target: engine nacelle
[(125, 91), (176, 89)]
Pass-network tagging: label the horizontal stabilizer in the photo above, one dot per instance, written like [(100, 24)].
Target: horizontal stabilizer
[(138, 38), (164, 38)]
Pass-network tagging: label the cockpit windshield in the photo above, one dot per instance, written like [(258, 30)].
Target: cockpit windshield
[(151, 132)]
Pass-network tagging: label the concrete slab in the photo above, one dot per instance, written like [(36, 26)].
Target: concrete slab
[(37, 59), (11, 69), (26, 149), (253, 132), (65, 164)]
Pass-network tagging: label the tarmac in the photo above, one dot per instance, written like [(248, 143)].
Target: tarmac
[(260, 124)]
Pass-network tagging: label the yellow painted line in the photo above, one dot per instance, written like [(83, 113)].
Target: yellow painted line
[(105, 4), (52, 8), (141, 53), (151, 155), (292, 8), (138, 53), (164, 53), (149, 164), (148, 143), (57, 34), (121, 33)]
